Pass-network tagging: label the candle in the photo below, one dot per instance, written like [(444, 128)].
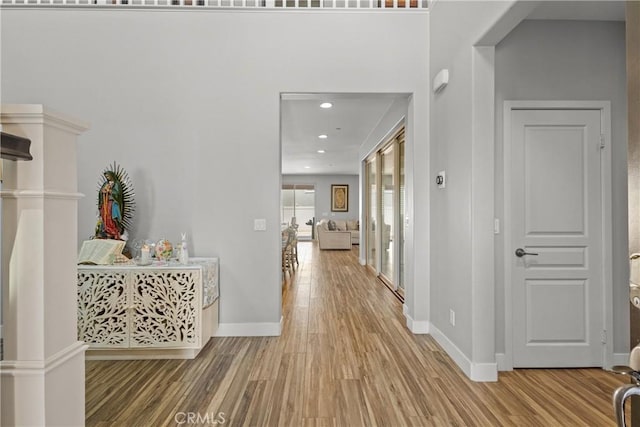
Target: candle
[(145, 254)]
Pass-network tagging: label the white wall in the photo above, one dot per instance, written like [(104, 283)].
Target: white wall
[(323, 194), (569, 60), (459, 280), (187, 101)]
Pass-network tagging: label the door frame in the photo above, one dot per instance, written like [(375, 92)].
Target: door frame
[(607, 224)]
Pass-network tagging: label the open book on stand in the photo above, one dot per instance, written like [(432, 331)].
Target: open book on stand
[(101, 251)]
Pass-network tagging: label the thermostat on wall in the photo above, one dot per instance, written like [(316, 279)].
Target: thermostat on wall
[(441, 179)]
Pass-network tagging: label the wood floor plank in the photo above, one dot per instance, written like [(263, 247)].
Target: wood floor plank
[(320, 386), (319, 422), (287, 394), (352, 408), (268, 359), (257, 408), (344, 358)]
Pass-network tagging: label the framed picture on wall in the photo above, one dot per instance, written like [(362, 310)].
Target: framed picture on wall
[(339, 198)]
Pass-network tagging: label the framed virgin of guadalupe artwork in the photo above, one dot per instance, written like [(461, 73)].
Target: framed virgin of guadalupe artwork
[(339, 198)]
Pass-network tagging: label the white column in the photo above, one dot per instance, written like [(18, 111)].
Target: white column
[(42, 374)]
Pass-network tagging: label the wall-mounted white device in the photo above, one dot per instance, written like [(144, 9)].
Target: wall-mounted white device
[(440, 80), (441, 179), (260, 224)]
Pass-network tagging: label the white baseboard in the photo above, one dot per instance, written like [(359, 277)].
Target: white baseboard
[(363, 262), (479, 372), (417, 327), (620, 359), (501, 361), (249, 329), (484, 372)]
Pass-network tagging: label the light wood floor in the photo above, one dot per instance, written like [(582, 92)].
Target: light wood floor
[(344, 358)]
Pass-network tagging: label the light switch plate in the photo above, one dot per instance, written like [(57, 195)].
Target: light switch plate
[(441, 179), (259, 225)]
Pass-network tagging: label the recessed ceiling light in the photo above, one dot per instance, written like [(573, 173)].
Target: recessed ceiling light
[(321, 151), (307, 167), (326, 105), (323, 136)]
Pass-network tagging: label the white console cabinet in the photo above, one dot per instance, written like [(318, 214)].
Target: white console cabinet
[(152, 312)]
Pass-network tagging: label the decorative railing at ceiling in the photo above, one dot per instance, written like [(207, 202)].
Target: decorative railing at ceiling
[(232, 4)]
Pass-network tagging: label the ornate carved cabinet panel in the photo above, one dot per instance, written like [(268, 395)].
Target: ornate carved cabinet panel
[(103, 318), (165, 307), (171, 310)]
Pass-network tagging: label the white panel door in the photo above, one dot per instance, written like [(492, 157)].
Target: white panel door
[(556, 210)]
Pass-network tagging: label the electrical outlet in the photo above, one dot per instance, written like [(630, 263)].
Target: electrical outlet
[(452, 317)]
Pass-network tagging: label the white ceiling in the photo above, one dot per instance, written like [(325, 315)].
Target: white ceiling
[(347, 125), (353, 116)]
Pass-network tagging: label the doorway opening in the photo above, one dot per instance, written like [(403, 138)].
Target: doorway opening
[(324, 139)]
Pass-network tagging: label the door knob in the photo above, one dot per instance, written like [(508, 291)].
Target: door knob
[(521, 252)]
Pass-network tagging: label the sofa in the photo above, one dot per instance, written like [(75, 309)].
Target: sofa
[(337, 233)]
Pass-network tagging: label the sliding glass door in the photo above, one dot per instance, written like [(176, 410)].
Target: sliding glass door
[(385, 212), (401, 213), (387, 169), (298, 207), (371, 209)]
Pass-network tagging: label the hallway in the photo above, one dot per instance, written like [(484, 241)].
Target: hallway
[(344, 358)]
